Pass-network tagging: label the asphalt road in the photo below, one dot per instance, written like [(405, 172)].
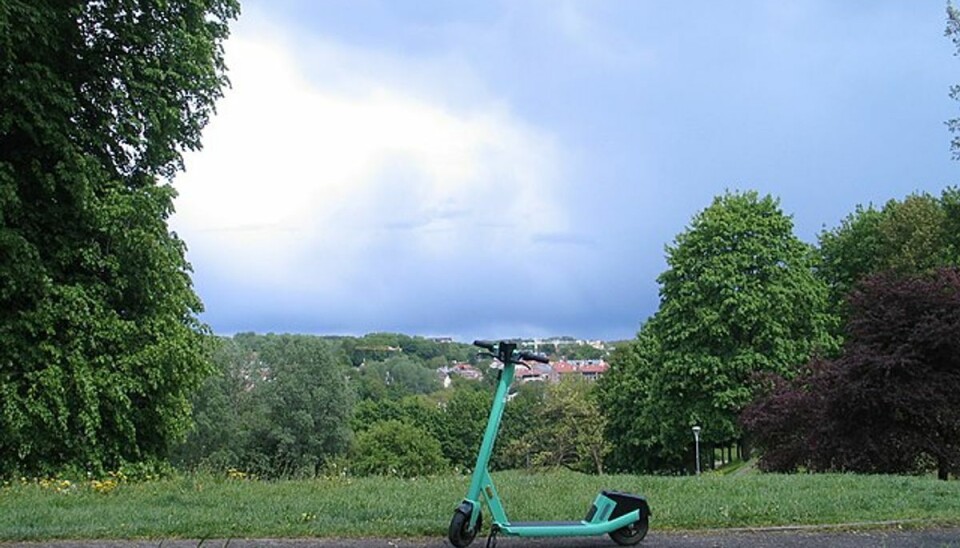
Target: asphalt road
[(871, 538)]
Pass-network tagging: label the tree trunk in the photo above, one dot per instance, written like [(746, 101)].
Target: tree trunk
[(943, 471), (598, 460)]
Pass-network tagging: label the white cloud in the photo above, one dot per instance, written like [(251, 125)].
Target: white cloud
[(302, 184), (600, 43)]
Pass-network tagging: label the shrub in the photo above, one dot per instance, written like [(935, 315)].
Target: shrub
[(397, 448)]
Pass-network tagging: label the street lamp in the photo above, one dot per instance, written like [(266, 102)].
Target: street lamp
[(696, 441)]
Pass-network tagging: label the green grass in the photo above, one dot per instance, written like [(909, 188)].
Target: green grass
[(737, 466), (212, 507)]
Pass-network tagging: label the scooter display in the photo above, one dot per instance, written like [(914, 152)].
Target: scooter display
[(623, 516)]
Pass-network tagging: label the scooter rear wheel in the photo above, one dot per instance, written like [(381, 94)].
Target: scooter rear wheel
[(460, 534), (631, 534)]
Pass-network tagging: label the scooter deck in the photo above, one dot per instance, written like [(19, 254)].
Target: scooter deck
[(544, 523), (566, 528)]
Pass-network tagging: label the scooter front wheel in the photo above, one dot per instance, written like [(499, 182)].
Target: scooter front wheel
[(460, 534), (631, 534)]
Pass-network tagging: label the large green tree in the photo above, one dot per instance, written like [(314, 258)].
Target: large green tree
[(99, 338), (909, 236), (739, 297)]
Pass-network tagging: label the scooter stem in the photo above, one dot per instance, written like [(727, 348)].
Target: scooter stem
[(490, 434)]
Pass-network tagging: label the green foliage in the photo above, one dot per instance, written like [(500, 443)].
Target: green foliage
[(394, 448), (521, 421), (567, 430), (280, 406), (98, 331), (223, 408), (366, 412), (456, 422), (395, 377), (953, 33), (908, 237), (457, 418), (283, 405), (950, 202), (739, 297), (381, 346), (581, 352), (628, 392), (463, 421), (309, 406)]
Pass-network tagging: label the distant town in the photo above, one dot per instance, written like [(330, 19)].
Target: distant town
[(544, 345), (588, 368)]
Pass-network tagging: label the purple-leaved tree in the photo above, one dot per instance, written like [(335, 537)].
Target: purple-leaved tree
[(890, 403)]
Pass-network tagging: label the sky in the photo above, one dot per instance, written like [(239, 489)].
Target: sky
[(516, 169)]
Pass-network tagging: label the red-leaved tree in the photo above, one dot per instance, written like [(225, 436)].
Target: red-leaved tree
[(891, 402)]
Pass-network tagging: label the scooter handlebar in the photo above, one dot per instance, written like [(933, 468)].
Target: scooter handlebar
[(485, 344), (526, 356), (530, 356)]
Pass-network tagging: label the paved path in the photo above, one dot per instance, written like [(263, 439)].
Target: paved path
[(869, 538)]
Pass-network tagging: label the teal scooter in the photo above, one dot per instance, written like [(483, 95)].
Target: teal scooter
[(623, 516)]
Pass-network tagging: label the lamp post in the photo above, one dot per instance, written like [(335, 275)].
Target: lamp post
[(696, 441)]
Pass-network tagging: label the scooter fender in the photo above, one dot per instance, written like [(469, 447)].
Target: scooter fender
[(472, 509), (627, 502)]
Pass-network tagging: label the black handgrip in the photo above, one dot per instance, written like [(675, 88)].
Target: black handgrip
[(485, 344), (530, 356)]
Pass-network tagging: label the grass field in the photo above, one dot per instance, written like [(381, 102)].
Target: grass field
[(214, 507)]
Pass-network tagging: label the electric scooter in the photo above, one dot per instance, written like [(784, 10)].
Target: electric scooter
[(625, 517)]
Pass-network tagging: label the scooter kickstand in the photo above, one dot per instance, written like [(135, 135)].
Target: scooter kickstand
[(492, 538)]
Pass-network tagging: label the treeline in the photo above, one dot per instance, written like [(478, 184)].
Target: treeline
[(300, 405), (843, 355), (840, 356)]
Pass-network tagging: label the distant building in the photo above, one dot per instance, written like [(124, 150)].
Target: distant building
[(590, 370), (467, 371), (464, 370), (540, 372)]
